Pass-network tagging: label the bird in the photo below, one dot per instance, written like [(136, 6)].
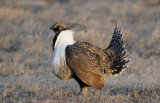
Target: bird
[(86, 63)]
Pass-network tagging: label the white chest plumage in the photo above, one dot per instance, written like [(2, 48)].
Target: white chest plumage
[(59, 59)]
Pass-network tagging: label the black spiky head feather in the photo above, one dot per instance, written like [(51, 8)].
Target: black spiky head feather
[(57, 27)]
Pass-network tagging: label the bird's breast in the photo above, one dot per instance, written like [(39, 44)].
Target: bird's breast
[(59, 66)]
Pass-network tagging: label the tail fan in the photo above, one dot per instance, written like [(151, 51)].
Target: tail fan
[(117, 52)]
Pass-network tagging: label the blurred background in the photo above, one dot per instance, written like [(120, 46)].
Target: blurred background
[(26, 49)]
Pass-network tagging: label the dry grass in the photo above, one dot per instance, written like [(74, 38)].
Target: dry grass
[(26, 52)]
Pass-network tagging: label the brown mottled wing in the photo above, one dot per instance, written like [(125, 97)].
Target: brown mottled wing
[(86, 65)]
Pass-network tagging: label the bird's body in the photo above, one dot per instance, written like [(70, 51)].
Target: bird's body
[(86, 63)]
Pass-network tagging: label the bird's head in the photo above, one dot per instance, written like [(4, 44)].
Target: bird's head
[(57, 28)]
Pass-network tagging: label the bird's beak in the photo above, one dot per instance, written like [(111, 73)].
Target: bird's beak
[(51, 28)]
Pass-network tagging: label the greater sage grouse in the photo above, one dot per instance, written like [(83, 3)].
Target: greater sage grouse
[(86, 63)]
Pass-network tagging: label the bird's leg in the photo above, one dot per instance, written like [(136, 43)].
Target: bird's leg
[(83, 90)]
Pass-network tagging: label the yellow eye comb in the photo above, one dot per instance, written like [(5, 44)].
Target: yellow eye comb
[(57, 25)]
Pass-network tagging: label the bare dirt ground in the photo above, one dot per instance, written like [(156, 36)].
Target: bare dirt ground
[(26, 49)]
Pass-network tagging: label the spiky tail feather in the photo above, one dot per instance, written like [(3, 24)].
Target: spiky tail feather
[(117, 52)]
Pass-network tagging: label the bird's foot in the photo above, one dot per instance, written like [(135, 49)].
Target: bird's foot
[(83, 91)]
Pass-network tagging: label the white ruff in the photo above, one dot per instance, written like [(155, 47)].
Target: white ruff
[(64, 38)]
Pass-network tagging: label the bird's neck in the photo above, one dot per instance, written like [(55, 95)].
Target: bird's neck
[(64, 38)]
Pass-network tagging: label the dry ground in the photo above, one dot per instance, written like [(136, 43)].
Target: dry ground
[(26, 52)]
